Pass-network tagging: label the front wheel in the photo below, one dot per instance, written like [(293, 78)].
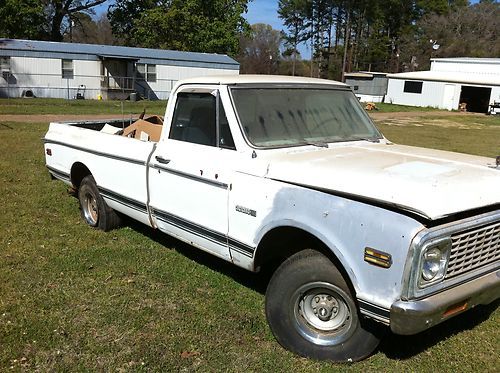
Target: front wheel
[(312, 312)]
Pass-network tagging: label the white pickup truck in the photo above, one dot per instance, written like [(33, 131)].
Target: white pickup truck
[(290, 175)]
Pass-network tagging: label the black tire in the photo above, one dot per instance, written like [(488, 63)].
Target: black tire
[(312, 311), (95, 211)]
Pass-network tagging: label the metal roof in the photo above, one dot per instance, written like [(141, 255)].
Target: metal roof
[(468, 60), (110, 51), (358, 75), (364, 74), (487, 79)]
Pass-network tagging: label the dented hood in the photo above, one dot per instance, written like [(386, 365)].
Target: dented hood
[(430, 183)]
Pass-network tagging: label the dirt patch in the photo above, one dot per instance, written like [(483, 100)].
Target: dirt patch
[(415, 114)]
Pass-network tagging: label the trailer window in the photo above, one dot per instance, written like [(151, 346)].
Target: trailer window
[(5, 64), (146, 72), (67, 69), (412, 86)]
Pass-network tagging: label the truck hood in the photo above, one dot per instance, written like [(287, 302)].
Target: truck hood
[(431, 183)]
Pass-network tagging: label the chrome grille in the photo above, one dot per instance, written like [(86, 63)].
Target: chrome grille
[(473, 249)]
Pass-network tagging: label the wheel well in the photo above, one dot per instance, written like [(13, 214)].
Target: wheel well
[(78, 172), (282, 242)]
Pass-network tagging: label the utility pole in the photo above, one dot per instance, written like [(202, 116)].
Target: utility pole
[(346, 45)]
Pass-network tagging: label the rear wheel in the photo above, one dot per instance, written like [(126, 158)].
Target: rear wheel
[(95, 211), (312, 311)]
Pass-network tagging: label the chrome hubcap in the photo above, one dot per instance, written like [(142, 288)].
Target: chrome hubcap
[(90, 209), (322, 314)]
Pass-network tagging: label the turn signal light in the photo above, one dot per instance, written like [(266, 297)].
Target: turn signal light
[(456, 308), (378, 258)]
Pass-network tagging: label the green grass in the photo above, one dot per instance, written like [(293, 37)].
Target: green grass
[(478, 134), (76, 299), (61, 106), (392, 108)]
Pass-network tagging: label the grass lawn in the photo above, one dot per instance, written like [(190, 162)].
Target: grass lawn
[(76, 299), (61, 106), (474, 134)]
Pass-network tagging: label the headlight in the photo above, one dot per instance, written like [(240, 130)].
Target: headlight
[(433, 262)]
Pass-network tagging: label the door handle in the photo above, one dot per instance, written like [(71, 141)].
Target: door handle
[(162, 160)]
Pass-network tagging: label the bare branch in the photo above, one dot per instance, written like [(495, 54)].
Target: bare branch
[(86, 5)]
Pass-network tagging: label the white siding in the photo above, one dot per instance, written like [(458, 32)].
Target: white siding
[(369, 98), (495, 94), (432, 94), (472, 66), (43, 76), (167, 76)]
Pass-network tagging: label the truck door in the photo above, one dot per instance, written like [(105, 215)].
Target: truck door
[(190, 173)]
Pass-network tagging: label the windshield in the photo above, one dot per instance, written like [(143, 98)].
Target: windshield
[(274, 117)]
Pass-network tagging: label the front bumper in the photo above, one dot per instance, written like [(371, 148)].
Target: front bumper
[(411, 317)]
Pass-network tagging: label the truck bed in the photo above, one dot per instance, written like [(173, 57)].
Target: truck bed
[(143, 129)]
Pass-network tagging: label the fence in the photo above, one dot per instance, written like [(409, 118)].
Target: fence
[(14, 85)]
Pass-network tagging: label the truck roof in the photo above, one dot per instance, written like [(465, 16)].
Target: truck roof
[(258, 79)]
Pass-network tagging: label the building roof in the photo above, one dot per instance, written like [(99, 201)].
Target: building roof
[(260, 79), (468, 60), (488, 79), (94, 51), (363, 74)]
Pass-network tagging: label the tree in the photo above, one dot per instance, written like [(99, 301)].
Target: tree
[(45, 19), (60, 14), (293, 14), (87, 30), (472, 31), (259, 51), (123, 15), (31, 14), (187, 25)]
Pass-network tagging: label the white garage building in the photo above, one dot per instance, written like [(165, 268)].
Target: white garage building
[(63, 70), (450, 82)]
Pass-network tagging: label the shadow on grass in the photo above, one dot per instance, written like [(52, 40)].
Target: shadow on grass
[(402, 347), (397, 347), (255, 281)]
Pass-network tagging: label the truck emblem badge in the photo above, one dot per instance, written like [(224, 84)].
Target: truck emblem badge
[(246, 210)]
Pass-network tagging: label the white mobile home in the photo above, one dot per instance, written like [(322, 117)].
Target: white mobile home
[(450, 82), (64, 70), (368, 86)]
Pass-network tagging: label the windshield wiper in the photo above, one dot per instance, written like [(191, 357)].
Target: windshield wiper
[(370, 139), (316, 143)]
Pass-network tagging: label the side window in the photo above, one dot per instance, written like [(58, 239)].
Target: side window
[(140, 71), (5, 64), (151, 73), (194, 121), (67, 69), (146, 72)]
